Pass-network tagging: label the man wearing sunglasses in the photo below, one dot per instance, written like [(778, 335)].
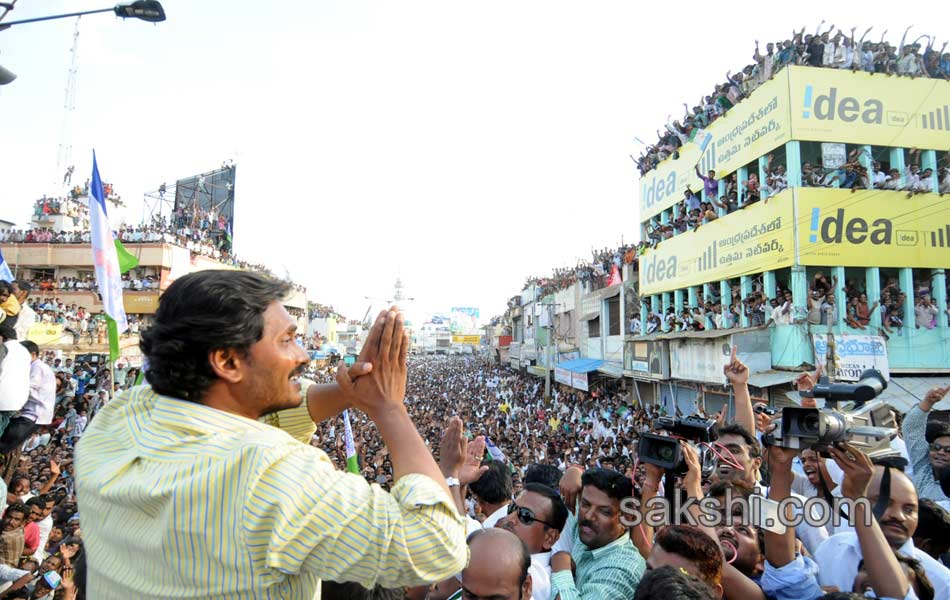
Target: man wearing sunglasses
[(537, 517), (929, 448)]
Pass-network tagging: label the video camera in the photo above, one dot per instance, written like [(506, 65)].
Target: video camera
[(664, 450), (868, 424)]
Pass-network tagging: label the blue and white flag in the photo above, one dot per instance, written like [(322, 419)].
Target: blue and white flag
[(104, 256), (702, 139), (5, 273), (494, 451)]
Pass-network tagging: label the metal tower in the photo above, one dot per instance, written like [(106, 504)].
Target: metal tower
[(397, 294), (69, 106)]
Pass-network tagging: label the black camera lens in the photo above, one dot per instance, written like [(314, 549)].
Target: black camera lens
[(810, 423), (665, 452)]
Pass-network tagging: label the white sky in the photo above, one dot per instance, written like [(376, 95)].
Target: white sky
[(463, 146)]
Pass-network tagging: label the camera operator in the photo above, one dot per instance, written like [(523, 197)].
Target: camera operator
[(929, 449), (730, 582), (790, 576), (742, 451)]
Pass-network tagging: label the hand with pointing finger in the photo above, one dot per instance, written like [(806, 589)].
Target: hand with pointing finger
[(736, 372), (934, 396)]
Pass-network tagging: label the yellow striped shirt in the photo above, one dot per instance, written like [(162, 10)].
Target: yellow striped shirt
[(179, 500)]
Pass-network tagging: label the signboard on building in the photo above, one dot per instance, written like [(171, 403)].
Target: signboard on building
[(580, 381), (833, 155), (869, 229), (562, 375), (45, 333), (751, 129), (758, 238), (464, 319), (473, 340), (699, 360), (854, 354), (833, 104)]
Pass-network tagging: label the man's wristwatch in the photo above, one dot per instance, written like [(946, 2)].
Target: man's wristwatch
[(452, 482)]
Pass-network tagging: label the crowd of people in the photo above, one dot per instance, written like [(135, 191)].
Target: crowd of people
[(541, 453), (544, 485), (829, 49), (593, 274)]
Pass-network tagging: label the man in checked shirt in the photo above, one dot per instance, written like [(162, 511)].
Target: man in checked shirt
[(185, 492)]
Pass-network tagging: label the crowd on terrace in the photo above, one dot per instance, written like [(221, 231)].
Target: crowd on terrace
[(826, 48)]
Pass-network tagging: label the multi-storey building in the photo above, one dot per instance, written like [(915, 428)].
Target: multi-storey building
[(828, 243)]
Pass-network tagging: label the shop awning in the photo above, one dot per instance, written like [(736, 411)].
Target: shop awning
[(769, 378), (536, 370), (581, 365), (904, 392), (611, 369)]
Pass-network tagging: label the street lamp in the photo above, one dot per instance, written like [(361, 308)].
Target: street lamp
[(144, 10)]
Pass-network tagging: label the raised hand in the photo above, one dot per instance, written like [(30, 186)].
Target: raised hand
[(452, 448), (387, 347), (735, 371), (472, 469), (934, 396), (858, 470)]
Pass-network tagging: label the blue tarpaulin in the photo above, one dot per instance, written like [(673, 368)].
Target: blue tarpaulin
[(581, 365)]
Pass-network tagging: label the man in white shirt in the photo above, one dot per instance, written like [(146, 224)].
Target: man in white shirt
[(537, 517), (27, 316), (898, 522), (40, 405), (14, 375)]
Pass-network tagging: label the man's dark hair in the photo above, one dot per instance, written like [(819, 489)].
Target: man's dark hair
[(354, 591), (735, 429), (31, 347), (17, 507), (558, 508), (669, 583), (549, 475), (494, 486), (935, 521), (924, 588), (25, 286), (936, 428), (7, 332), (694, 545), (525, 553), (198, 314), (37, 502), (609, 482)]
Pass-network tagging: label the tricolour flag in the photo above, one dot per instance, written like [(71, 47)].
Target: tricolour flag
[(106, 261), (5, 273), (352, 463)]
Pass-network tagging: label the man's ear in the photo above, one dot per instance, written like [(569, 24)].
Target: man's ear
[(526, 587), (227, 364)]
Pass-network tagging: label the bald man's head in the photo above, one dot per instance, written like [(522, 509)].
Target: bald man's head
[(899, 519), (498, 567)]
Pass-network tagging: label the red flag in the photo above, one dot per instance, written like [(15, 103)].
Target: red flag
[(614, 276)]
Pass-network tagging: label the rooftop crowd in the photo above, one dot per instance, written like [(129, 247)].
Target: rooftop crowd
[(535, 485), (825, 48)]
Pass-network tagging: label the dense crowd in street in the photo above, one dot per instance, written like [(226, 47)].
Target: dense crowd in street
[(541, 481), (830, 49)]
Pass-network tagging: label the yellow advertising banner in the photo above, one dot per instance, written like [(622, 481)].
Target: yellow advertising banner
[(45, 333), (751, 129), (473, 340), (830, 105), (140, 302), (872, 228), (757, 238)]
